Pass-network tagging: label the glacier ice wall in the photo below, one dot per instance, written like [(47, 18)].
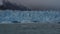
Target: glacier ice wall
[(39, 16)]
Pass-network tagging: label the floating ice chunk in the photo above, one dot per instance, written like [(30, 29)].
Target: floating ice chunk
[(6, 22), (26, 21)]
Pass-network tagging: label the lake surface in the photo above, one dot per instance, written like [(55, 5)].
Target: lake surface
[(25, 16), (30, 28)]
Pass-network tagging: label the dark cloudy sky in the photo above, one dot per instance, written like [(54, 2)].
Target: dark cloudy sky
[(36, 3), (0, 2)]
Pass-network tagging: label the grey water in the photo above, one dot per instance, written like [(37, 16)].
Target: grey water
[(29, 16)]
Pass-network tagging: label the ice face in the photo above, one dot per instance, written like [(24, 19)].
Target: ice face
[(29, 16)]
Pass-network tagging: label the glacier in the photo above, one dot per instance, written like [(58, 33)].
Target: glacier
[(31, 16)]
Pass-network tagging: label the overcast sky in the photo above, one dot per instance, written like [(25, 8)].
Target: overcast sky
[(36, 3), (0, 2)]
